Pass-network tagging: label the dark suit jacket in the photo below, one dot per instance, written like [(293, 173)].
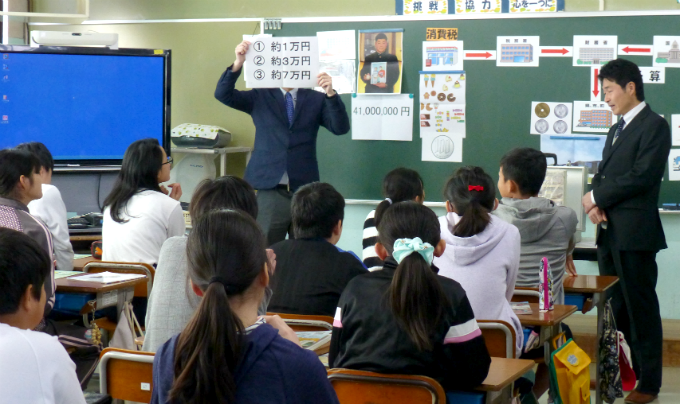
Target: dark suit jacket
[(628, 182), (310, 276), (280, 147)]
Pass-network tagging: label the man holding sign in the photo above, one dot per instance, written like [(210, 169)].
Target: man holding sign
[(286, 122)]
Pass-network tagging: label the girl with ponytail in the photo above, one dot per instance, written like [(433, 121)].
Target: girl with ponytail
[(482, 251), (399, 185), (405, 318), (227, 354)]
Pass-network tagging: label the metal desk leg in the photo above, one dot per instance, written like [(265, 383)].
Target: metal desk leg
[(600, 329), (223, 164)]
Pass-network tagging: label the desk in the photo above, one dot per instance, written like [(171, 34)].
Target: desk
[(585, 250), (592, 287), (549, 322), (222, 151), (113, 294), (79, 264), (502, 374)]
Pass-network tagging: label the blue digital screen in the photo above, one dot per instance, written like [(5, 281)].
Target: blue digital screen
[(82, 107)]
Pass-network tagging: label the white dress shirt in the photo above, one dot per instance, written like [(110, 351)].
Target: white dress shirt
[(52, 211)]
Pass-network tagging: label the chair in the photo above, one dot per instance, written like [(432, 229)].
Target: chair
[(126, 375), (361, 387), (530, 295), (299, 322), (500, 338), (141, 290)]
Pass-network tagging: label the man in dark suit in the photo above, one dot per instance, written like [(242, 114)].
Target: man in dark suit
[(391, 71), (624, 204), (286, 122)]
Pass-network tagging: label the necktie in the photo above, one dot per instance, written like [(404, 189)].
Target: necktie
[(290, 108), (619, 129)]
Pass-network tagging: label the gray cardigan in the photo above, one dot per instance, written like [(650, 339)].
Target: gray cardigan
[(172, 302)]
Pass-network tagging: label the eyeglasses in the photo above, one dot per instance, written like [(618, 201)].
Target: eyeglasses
[(169, 161)]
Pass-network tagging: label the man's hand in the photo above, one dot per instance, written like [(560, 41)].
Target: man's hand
[(597, 216), (367, 77), (570, 267), (587, 201), (240, 52), (326, 82)]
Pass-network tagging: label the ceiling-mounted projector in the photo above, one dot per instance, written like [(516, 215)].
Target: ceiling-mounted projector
[(58, 38)]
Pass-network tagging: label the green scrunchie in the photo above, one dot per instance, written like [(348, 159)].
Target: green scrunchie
[(404, 247)]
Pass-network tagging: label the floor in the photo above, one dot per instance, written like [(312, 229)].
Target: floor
[(670, 392)]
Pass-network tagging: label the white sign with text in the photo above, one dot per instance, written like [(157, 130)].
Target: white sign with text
[(382, 117), (282, 62)]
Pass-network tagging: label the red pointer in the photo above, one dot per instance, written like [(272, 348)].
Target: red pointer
[(629, 49), (562, 51), (596, 91), (479, 55)]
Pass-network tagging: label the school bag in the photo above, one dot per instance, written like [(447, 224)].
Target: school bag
[(609, 370), (570, 375)]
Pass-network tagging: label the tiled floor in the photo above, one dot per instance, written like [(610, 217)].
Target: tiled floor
[(670, 391)]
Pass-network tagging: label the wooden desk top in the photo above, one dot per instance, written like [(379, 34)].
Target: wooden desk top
[(86, 237), (68, 285), (80, 263), (546, 319), (588, 283), (503, 372)]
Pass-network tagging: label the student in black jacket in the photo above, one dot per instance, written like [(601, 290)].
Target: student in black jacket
[(405, 318), (311, 272)]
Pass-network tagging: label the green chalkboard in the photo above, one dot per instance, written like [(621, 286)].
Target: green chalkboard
[(498, 98)]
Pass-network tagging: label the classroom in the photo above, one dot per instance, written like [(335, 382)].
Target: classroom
[(206, 238)]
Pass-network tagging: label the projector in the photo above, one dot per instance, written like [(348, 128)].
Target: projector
[(58, 38)]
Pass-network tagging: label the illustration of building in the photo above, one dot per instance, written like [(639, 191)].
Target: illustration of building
[(673, 55), (517, 53), (596, 56), (441, 56), (596, 118)]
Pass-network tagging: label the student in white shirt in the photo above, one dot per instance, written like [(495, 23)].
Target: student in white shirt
[(35, 367), (139, 214), (50, 208)]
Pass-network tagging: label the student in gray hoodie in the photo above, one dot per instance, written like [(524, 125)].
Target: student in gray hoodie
[(546, 229)]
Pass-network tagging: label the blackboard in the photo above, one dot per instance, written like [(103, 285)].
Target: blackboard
[(498, 98)]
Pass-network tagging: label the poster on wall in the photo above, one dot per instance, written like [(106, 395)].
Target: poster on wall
[(442, 55), (517, 51), (442, 147), (380, 61), (592, 117), (595, 50), (415, 7), (550, 118), (442, 102)]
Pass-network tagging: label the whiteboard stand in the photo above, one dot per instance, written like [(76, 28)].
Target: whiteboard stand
[(221, 151)]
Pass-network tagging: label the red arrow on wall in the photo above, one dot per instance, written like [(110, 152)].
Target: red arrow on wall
[(562, 51), (478, 55), (628, 49), (596, 83)]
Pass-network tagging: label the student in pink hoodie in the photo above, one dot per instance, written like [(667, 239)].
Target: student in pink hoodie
[(482, 251)]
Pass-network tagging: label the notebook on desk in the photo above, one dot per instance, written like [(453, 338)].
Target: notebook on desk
[(107, 277)]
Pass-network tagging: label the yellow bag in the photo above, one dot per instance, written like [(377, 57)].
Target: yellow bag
[(570, 374)]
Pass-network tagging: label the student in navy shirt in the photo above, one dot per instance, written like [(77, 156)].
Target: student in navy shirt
[(227, 354)]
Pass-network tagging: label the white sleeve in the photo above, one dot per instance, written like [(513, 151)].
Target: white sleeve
[(52, 211), (58, 373), (592, 197), (176, 224)]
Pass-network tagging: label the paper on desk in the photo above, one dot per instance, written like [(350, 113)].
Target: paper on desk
[(65, 274), (79, 256), (107, 277)]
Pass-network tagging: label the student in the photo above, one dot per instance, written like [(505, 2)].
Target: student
[(546, 230), (227, 353), (482, 251), (405, 318), (139, 214), (21, 183), (400, 184), (311, 272), (50, 208), (171, 303), (34, 368)]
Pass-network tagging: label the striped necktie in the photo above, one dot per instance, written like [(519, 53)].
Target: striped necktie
[(290, 107), (619, 129)]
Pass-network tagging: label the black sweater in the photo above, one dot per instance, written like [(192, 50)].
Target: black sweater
[(366, 336)]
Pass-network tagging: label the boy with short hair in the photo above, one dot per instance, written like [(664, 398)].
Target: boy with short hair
[(34, 366), (50, 208), (546, 230), (311, 272)]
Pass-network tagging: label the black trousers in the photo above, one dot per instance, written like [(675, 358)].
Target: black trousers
[(636, 308)]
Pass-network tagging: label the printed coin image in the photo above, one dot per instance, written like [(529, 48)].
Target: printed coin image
[(542, 126), (442, 147), (542, 110), (561, 111), (559, 127)]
